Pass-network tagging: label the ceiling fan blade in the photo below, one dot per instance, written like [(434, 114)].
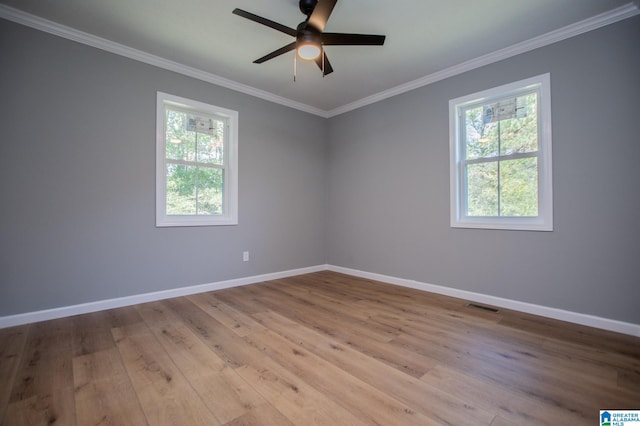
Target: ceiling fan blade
[(289, 47), (321, 13), (328, 69), (337, 39), (264, 21)]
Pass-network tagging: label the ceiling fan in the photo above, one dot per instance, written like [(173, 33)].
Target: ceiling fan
[(310, 38)]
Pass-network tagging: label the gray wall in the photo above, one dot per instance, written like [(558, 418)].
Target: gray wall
[(77, 180), (389, 189), (366, 190)]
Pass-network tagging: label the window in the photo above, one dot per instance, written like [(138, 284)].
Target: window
[(196, 163), (500, 157)]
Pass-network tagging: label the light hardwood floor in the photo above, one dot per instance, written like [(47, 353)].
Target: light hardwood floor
[(322, 348)]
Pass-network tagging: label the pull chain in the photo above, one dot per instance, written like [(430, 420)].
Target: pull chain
[(295, 65)]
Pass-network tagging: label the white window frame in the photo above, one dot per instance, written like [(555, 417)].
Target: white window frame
[(544, 220), (230, 150)]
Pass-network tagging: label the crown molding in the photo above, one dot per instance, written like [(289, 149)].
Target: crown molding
[(581, 27), (72, 34), (624, 12)]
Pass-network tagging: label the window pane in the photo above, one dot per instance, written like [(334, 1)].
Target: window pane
[(210, 146), (519, 187), (519, 133), (180, 142), (193, 190), (482, 189), (210, 191), (481, 139), (181, 197)]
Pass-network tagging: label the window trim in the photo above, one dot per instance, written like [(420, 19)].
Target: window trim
[(230, 215), (544, 220)]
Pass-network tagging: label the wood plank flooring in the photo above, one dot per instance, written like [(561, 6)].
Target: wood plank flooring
[(322, 348)]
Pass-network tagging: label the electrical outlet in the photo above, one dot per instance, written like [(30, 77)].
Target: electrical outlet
[(245, 256)]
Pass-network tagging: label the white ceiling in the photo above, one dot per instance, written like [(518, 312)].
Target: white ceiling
[(424, 38)]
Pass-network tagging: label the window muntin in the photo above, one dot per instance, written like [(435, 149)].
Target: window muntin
[(501, 157), (196, 163)]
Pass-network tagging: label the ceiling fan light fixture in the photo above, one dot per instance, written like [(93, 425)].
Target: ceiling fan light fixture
[(309, 51)]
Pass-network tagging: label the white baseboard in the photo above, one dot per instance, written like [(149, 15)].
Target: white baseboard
[(544, 311), (85, 308)]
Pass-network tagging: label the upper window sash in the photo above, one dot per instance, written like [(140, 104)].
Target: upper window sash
[(225, 140)]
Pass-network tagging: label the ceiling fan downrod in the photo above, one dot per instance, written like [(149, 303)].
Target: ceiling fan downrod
[(307, 6)]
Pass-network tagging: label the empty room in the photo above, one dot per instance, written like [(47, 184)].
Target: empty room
[(337, 212)]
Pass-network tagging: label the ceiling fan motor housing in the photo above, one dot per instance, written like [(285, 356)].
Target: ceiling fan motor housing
[(308, 34)]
